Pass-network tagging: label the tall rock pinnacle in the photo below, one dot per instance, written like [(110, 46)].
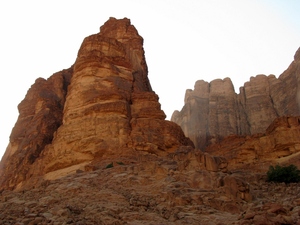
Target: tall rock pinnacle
[(101, 108)]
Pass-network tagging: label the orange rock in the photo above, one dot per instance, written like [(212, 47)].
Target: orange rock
[(280, 144), (106, 110)]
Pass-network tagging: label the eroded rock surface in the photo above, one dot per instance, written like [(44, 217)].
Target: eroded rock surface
[(279, 144), (40, 115), (102, 107), (149, 189), (213, 110), (91, 146)]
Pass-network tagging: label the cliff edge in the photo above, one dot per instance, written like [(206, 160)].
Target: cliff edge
[(213, 110)]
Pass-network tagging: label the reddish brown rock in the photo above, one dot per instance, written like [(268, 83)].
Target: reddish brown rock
[(98, 127), (279, 144), (237, 189), (166, 189), (214, 163), (152, 189), (108, 110), (213, 110), (40, 115)]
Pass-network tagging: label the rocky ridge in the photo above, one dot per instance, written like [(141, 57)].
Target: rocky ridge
[(213, 110)]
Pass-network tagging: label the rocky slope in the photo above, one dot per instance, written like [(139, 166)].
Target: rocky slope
[(279, 144), (213, 110), (174, 189)]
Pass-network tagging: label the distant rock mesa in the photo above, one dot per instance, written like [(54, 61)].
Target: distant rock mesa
[(213, 110), (100, 108)]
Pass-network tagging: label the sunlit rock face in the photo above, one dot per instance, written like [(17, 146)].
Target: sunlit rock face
[(213, 110), (102, 107), (279, 144), (91, 146)]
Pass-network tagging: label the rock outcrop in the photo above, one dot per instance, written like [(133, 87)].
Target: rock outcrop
[(213, 110), (173, 189), (152, 189), (279, 144), (102, 107), (91, 146), (40, 115)]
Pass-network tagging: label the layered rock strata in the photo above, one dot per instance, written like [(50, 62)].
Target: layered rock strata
[(40, 115), (172, 189), (102, 107), (98, 127), (213, 110), (279, 144)]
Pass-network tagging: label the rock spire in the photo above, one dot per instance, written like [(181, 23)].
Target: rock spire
[(103, 107)]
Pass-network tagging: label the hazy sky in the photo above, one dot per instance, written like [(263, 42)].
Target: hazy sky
[(184, 41)]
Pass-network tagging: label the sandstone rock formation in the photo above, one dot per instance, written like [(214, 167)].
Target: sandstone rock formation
[(41, 114), (152, 189), (102, 107), (213, 110), (280, 144), (173, 189), (91, 146)]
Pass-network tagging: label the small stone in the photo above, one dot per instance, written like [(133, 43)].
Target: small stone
[(31, 215), (47, 215)]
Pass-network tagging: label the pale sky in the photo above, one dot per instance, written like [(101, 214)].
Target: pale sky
[(184, 41)]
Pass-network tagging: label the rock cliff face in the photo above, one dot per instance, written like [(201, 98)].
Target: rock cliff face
[(279, 144), (102, 107), (40, 115), (213, 110), (91, 146)]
